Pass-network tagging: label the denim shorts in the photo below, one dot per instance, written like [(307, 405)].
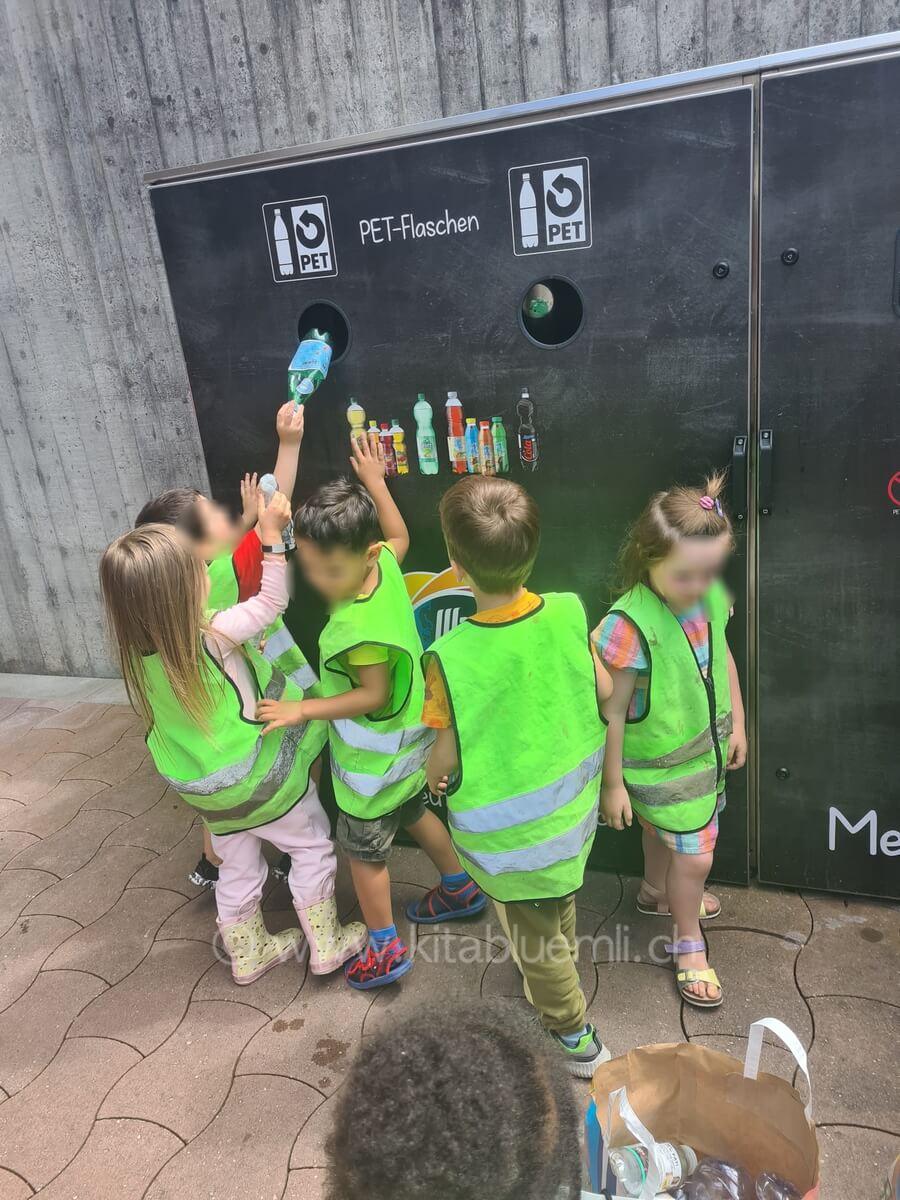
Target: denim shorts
[(371, 840)]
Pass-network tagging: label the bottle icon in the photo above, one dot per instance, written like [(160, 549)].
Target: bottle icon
[(529, 450), (387, 445), (486, 457), (268, 485), (310, 364), (356, 416), (399, 438), (528, 218), (501, 449), (473, 464), (426, 441), (282, 245), (456, 440)]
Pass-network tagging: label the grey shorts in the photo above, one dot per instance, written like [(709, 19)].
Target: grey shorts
[(371, 840)]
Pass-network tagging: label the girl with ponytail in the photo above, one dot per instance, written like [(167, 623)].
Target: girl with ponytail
[(676, 717)]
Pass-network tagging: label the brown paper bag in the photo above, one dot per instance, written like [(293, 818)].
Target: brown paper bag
[(721, 1107)]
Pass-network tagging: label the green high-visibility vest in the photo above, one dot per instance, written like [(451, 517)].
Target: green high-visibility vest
[(523, 697), (673, 758), (377, 760), (277, 644), (234, 776)]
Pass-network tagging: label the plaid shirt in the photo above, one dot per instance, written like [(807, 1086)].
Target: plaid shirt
[(619, 646)]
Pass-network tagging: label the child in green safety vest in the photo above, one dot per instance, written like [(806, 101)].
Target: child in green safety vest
[(676, 717), (372, 692), (196, 677), (513, 694), (233, 554)]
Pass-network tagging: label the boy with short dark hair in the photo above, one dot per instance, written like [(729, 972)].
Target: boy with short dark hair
[(233, 553), (513, 693), (508, 1127), (371, 694)]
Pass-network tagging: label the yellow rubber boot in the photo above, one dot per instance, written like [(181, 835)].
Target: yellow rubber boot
[(253, 950), (331, 944)]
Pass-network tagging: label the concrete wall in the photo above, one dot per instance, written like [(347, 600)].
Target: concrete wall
[(95, 406)]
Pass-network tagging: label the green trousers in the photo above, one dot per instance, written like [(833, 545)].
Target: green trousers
[(541, 936)]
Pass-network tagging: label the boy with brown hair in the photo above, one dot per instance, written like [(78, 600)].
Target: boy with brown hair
[(513, 693)]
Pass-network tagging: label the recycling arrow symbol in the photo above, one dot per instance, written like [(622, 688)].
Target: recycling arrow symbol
[(308, 220), (561, 186)]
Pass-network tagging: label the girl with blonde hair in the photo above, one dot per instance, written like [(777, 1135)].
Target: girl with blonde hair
[(196, 678), (676, 717)]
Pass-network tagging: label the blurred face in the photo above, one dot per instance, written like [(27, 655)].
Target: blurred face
[(684, 576), (222, 531), (336, 573)]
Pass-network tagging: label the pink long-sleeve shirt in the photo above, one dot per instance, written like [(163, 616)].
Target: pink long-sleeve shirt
[(243, 622)]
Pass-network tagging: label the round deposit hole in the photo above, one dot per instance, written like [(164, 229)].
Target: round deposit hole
[(328, 318), (551, 312)]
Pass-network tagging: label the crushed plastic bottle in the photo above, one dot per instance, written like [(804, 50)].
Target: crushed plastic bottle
[(772, 1187), (715, 1179), (268, 485)]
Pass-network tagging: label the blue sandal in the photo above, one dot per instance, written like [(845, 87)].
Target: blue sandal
[(442, 905)]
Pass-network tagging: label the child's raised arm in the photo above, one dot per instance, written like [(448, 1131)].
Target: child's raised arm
[(289, 427), (233, 626), (367, 461)]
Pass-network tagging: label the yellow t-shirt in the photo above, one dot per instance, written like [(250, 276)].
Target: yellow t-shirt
[(436, 709)]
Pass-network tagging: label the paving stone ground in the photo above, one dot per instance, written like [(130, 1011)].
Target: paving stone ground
[(131, 1066)]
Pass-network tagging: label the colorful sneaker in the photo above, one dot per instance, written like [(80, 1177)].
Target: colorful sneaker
[(584, 1058), (282, 868), (377, 968), (204, 875), (442, 905)]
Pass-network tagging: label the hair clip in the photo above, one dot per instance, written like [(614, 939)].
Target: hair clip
[(719, 508), (708, 503)]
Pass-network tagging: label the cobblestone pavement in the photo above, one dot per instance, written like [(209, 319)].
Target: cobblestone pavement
[(130, 1066)]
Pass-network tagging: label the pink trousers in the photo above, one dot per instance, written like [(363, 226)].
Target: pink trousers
[(303, 833)]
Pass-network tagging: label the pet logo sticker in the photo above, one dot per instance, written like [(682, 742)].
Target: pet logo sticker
[(301, 243), (550, 206)]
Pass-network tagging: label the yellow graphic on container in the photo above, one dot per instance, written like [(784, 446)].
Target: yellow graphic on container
[(439, 602)]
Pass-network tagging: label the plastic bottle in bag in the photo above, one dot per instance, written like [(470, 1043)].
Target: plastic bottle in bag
[(630, 1163), (717, 1180), (771, 1187)]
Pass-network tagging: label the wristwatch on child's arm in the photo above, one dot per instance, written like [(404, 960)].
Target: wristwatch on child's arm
[(275, 548)]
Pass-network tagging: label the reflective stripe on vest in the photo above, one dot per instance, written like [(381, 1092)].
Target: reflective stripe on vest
[(363, 737), (281, 642), (688, 750), (539, 857), (370, 786), (505, 814), (675, 791)]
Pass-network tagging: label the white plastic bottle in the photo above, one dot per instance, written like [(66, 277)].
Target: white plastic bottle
[(629, 1165), (282, 245), (268, 485), (528, 213), (426, 439)]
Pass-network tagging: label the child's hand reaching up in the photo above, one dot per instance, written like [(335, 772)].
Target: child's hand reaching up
[(615, 806), (249, 505), (367, 461), (289, 424), (279, 713)]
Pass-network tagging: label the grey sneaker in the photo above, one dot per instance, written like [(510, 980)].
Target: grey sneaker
[(584, 1059)]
